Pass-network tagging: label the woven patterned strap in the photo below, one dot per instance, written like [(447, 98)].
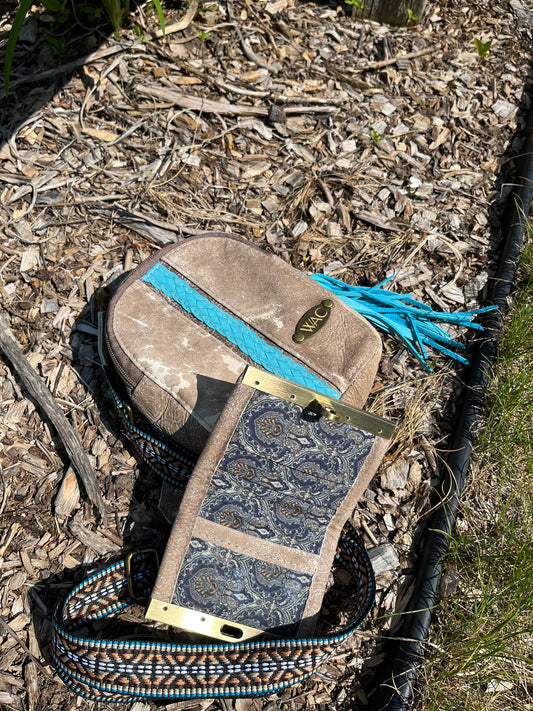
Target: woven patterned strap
[(112, 670), (164, 456), (246, 339)]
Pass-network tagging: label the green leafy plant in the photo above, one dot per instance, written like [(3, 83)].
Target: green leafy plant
[(375, 136), (483, 48), (58, 43), (116, 11), (204, 36), (359, 4), (411, 17), (139, 34), (202, 9), (160, 16), (92, 13)]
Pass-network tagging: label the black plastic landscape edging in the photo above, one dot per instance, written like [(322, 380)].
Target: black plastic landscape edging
[(404, 653)]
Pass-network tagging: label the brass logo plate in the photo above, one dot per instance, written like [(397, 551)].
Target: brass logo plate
[(312, 321)]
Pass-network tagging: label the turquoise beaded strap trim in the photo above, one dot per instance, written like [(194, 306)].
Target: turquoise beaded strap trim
[(247, 341)]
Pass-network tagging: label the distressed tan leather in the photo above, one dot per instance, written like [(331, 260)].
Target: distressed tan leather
[(179, 373)]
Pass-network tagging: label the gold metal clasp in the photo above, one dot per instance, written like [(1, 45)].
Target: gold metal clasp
[(203, 623), (128, 412), (325, 410), (129, 573)]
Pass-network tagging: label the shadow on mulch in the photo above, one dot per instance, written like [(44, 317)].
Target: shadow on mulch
[(51, 68)]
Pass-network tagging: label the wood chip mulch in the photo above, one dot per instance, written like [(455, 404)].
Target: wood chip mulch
[(346, 147)]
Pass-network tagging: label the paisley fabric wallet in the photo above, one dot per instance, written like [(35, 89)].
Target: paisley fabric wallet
[(253, 543)]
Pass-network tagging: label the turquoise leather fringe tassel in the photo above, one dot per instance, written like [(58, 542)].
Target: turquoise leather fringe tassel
[(401, 316)]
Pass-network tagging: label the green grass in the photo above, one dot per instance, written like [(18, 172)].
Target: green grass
[(481, 655)]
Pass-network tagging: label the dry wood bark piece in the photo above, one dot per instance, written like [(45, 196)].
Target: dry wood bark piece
[(401, 57), (208, 106), (377, 220), (8, 630), (180, 24), (145, 225), (32, 686), (36, 388), (90, 539), (68, 494), (198, 104)]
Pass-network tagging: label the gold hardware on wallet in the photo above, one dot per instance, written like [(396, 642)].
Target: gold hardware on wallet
[(253, 543)]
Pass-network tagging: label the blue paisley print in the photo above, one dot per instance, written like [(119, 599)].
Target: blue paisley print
[(284, 473), (240, 588)]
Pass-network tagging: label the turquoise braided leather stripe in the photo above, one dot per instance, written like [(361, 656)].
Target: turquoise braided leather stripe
[(247, 341)]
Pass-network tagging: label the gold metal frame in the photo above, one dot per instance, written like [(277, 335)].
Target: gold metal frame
[(200, 622), (317, 402)]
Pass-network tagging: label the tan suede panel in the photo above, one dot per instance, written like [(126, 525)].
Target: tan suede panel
[(169, 347), (272, 296), (150, 398), (234, 540)]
